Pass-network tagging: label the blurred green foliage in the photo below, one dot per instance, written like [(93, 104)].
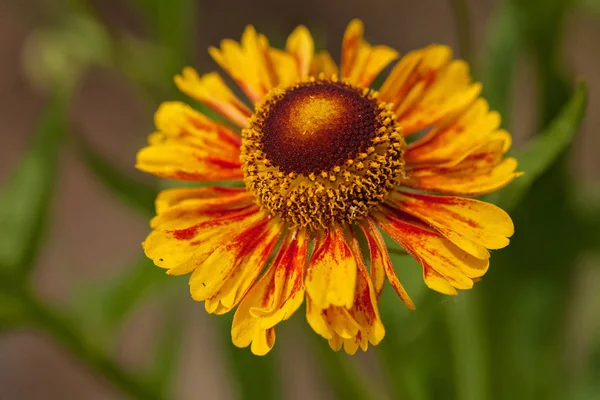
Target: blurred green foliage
[(504, 339)]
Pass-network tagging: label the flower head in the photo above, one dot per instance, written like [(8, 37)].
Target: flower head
[(325, 160)]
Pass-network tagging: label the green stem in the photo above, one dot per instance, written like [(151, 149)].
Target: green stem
[(57, 326), (460, 10)]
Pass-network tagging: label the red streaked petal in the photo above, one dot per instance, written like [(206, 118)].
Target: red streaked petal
[(198, 199), (482, 171), (426, 87), (381, 265), (457, 138), (211, 90), (472, 225), (433, 251), (182, 242), (331, 274), (352, 327), (227, 274), (274, 298), (169, 158)]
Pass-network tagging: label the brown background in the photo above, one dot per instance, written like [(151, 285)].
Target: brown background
[(93, 234)]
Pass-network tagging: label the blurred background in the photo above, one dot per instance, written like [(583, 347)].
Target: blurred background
[(83, 315)]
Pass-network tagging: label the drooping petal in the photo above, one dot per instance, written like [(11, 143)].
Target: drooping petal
[(439, 257), (361, 62), (352, 327), (472, 225), (381, 265), (183, 238), (274, 298), (331, 274), (189, 146), (301, 46), (426, 87), (227, 274), (481, 171), (323, 64), (211, 90)]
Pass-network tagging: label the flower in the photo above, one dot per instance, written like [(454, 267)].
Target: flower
[(325, 162)]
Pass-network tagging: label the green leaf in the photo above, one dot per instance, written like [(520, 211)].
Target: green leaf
[(135, 193), (26, 199), (543, 150)]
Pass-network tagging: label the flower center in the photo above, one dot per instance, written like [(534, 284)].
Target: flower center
[(322, 151)]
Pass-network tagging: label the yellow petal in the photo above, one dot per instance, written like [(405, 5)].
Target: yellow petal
[(211, 90), (301, 46), (361, 62), (331, 275), (323, 64)]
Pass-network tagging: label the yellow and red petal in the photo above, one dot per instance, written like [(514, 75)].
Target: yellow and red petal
[(211, 90), (381, 265), (228, 273), (193, 200), (482, 171), (331, 274), (183, 240), (352, 327), (301, 46), (438, 256), (453, 140), (472, 225), (426, 87), (274, 298), (361, 62), (173, 159)]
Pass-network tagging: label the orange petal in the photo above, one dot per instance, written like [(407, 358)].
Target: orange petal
[(227, 274), (211, 90), (361, 63), (182, 239), (438, 256), (323, 64), (274, 298), (472, 225), (426, 87), (381, 265), (301, 46), (331, 275)]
